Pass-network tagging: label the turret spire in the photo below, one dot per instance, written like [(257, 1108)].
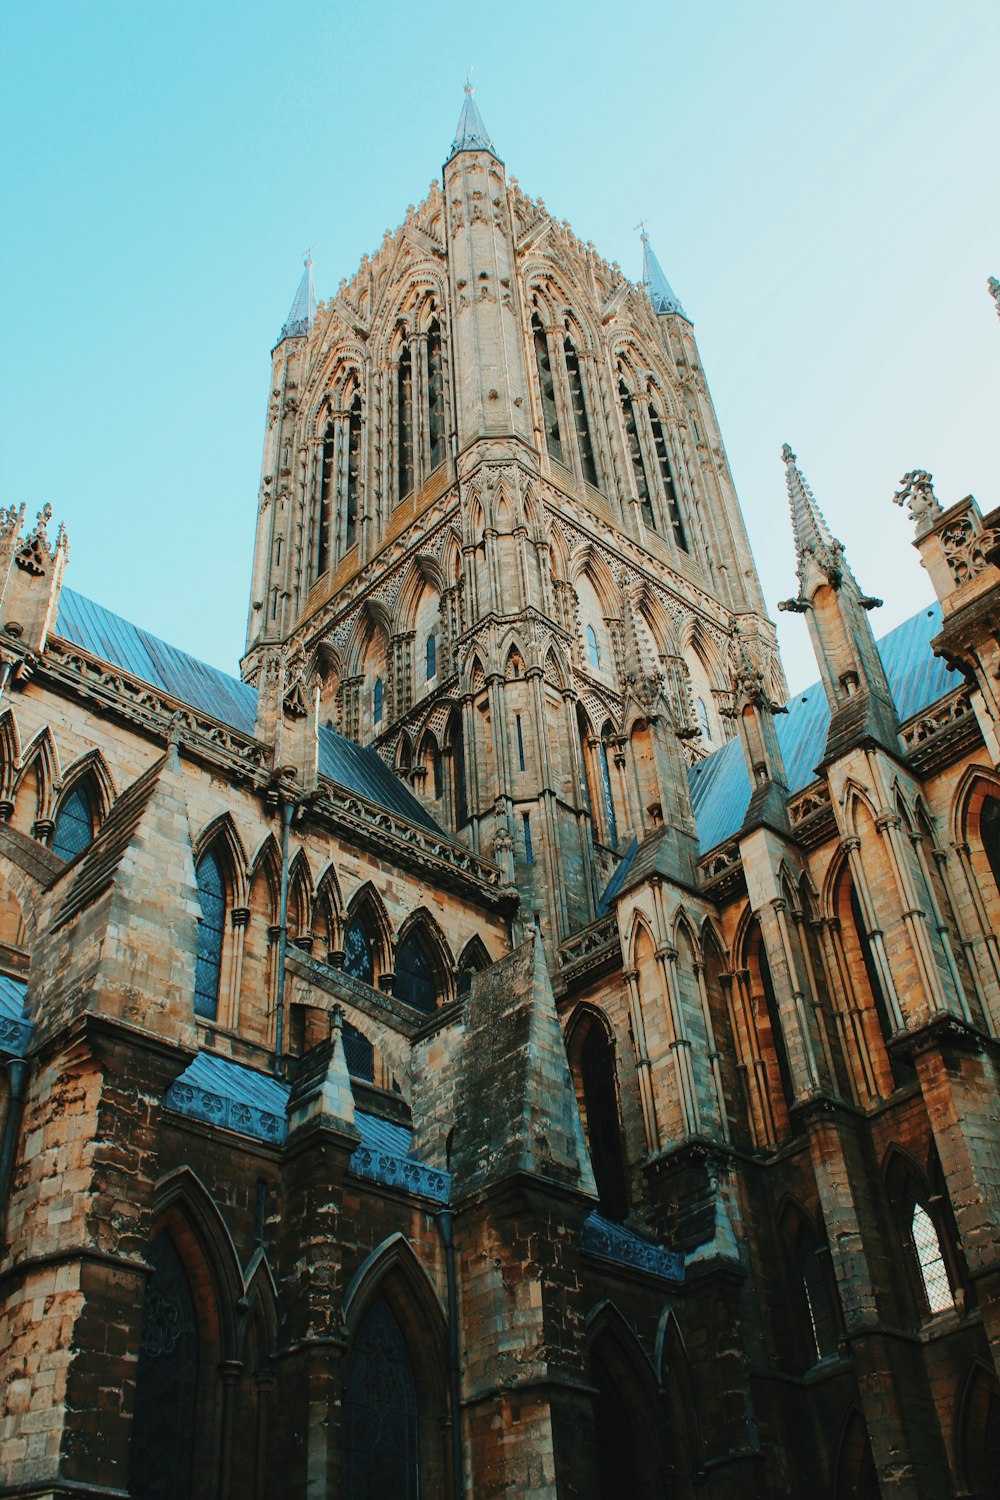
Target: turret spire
[(303, 310), (471, 134), (661, 293), (813, 537)]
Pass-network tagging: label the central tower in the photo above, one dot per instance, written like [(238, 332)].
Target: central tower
[(498, 537)]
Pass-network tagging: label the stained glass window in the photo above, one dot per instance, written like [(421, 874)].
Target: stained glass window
[(359, 960), (74, 828), (414, 975), (933, 1271), (211, 931), (380, 1413)]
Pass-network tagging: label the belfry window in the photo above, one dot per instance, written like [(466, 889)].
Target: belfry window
[(593, 648), (435, 396), (211, 933), (74, 828), (667, 479), (325, 502), (933, 1271), (635, 453), (547, 390), (404, 422), (378, 701), (578, 402)]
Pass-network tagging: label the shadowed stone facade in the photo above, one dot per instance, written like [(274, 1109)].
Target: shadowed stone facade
[(502, 1045)]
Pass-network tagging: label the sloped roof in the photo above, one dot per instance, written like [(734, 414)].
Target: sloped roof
[(720, 785), (122, 644)]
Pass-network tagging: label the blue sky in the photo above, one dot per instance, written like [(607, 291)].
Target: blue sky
[(820, 184)]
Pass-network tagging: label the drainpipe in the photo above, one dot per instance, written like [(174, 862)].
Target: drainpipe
[(445, 1219), (17, 1077), (287, 808)]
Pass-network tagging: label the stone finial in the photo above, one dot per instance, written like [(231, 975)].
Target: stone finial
[(993, 287), (813, 537), (916, 491)]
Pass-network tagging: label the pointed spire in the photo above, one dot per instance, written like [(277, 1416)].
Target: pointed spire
[(471, 134), (661, 294), (303, 310), (813, 537)]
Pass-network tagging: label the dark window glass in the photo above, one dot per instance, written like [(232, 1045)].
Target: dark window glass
[(667, 476), (458, 763), (353, 472), (359, 960), (380, 1411), (435, 396), (438, 774), (546, 386), (378, 696), (609, 801), (777, 1035), (359, 1053), (325, 502), (163, 1420), (404, 422), (529, 852), (989, 830), (579, 405), (211, 932), (520, 741), (600, 1099), (635, 453), (626, 1466), (432, 651), (414, 975), (902, 1068), (74, 828)]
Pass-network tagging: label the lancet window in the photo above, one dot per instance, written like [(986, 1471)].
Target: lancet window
[(339, 483), (547, 390), (404, 422), (74, 827), (671, 500), (359, 956), (578, 403), (933, 1271), (630, 416), (415, 982), (380, 1411), (211, 935), (435, 396), (420, 403)]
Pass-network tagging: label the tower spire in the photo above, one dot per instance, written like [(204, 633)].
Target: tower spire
[(471, 134), (302, 314), (661, 293)]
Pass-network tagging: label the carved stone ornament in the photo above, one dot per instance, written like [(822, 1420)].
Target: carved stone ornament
[(965, 549), (34, 554), (295, 705), (993, 286), (917, 493)]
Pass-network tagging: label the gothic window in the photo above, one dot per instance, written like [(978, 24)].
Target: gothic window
[(774, 1020), (211, 934), (431, 655), (547, 390), (415, 974), (933, 1271), (359, 957), (458, 772), (380, 1412), (529, 851), (326, 489), (625, 1428), (902, 1070), (353, 472), (378, 697), (593, 648), (594, 1060), (609, 801), (473, 960), (164, 1415), (358, 1053), (989, 830), (703, 720), (74, 827), (667, 479), (404, 422), (579, 405), (634, 443), (817, 1298), (435, 396), (520, 742)]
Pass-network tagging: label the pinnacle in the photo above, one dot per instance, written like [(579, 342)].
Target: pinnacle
[(471, 134), (661, 293), (812, 535), (302, 314)]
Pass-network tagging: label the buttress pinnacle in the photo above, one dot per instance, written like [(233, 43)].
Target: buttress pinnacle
[(813, 537)]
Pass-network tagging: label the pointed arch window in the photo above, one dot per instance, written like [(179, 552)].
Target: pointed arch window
[(578, 402), (437, 764), (211, 935), (326, 489), (458, 773), (703, 720), (609, 801), (593, 648), (378, 701), (435, 396), (359, 956), (933, 1271), (547, 390), (380, 1410), (165, 1410), (74, 826), (431, 655), (667, 479), (596, 1080), (404, 422), (415, 974), (634, 444), (352, 486)]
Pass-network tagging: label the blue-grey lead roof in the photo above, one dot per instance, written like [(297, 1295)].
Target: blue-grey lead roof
[(122, 644), (720, 786)]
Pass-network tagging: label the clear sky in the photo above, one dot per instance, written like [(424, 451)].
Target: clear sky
[(820, 184)]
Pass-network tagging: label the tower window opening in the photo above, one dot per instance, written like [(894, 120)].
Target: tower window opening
[(593, 648), (547, 389), (325, 501), (404, 421), (520, 742), (635, 453), (579, 405), (933, 1271), (435, 396), (529, 851), (667, 477), (703, 720), (378, 697), (431, 655), (353, 472)]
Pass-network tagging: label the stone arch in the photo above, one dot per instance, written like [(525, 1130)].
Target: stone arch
[(367, 906), (182, 1191), (328, 912), (10, 761), (93, 767), (676, 1379), (473, 959), (36, 781), (421, 930), (812, 1296), (223, 833), (300, 900), (631, 1454), (855, 1476), (591, 1051), (266, 866), (908, 1188)]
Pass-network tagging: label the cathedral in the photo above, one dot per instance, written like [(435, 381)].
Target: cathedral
[(501, 1044)]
